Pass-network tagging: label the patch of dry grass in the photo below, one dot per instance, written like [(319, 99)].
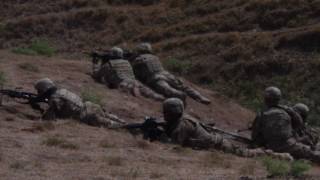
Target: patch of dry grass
[(55, 141), (143, 144), (181, 150), (106, 143), (18, 165), (217, 159), (29, 67), (44, 126), (248, 168), (156, 175), (115, 161)]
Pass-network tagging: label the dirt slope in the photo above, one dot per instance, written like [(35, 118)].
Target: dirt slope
[(237, 47), (29, 147)]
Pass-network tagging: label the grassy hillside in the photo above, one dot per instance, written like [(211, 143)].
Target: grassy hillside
[(237, 47)]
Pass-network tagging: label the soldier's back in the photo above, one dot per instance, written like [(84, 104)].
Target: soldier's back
[(146, 65), (121, 70), (67, 103), (275, 126)]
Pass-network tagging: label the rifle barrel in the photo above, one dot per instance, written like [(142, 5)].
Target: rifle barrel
[(231, 135)]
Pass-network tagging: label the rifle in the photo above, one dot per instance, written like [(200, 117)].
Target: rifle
[(230, 135), (32, 99), (106, 56), (151, 129)]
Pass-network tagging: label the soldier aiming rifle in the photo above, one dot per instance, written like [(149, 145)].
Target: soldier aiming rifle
[(150, 128), (32, 99)]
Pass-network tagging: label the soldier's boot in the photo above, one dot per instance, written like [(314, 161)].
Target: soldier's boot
[(162, 87), (148, 93), (180, 85), (115, 118), (130, 86), (196, 96), (258, 152)]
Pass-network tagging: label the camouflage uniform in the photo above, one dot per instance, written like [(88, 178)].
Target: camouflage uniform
[(117, 73), (187, 131), (304, 133), (273, 129), (149, 70), (65, 104)]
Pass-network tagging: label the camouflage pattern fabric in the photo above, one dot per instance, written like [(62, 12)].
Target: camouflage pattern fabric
[(149, 70), (64, 104), (189, 132), (92, 114), (119, 74), (273, 130)]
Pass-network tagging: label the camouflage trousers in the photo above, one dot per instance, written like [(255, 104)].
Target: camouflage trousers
[(216, 141), (170, 86), (137, 89), (298, 150), (92, 114), (130, 86)]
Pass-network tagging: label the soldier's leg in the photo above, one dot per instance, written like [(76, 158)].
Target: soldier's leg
[(178, 84), (129, 86), (165, 89), (218, 142), (300, 151), (92, 114), (148, 93)]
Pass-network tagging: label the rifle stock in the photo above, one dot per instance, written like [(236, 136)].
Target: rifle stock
[(227, 134)]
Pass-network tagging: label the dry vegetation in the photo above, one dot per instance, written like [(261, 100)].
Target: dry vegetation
[(234, 46)]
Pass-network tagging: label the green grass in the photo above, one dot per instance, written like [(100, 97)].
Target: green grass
[(177, 66), (298, 168), (281, 168), (92, 96), (276, 167), (37, 47), (25, 51)]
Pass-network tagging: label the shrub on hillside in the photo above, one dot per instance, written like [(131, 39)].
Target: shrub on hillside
[(37, 47), (276, 167), (91, 95), (177, 66), (299, 167)]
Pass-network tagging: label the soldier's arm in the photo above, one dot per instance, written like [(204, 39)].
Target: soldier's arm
[(256, 131), (51, 112)]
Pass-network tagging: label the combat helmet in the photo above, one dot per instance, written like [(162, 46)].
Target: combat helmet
[(144, 48), (272, 96), (44, 85), (117, 52), (173, 108), (302, 109)]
